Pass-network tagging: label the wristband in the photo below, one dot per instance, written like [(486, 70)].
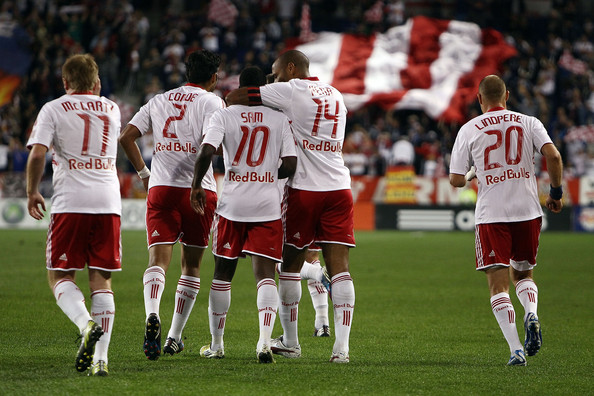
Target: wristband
[(556, 192), (254, 96), (144, 173)]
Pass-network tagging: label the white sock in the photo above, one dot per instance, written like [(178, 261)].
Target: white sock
[(185, 297), (267, 301), (289, 290), (219, 301), (343, 297), (103, 312), (312, 270), (319, 299), (154, 284), (72, 302), (527, 293), (506, 317)]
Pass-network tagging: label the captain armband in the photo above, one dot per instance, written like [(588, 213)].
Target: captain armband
[(254, 96), (556, 192)]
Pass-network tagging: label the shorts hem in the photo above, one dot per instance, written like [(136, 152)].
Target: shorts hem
[(275, 259)]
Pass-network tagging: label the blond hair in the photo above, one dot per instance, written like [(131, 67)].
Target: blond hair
[(81, 72)]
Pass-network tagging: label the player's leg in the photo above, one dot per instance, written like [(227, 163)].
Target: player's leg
[(219, 300), (267, 302), (187, 289), (336, 257), (103, 313), (527, 233), (318, 293)]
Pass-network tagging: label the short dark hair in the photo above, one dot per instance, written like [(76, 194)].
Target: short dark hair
[(201, 65), (252, 76)]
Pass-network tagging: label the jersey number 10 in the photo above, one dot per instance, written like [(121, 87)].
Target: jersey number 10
[(252, 134)]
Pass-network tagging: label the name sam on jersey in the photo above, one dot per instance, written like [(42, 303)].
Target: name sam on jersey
[(322, 146), (251, 177), (176, 146), (509, 174), (92, 163)]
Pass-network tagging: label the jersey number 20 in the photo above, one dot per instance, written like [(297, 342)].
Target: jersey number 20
[(519, 136)]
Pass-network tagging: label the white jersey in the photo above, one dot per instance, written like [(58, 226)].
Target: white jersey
[(501, 145), (177, 118), (82, 130), (318, 118), (254, 139)]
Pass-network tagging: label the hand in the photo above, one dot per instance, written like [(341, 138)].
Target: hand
[(145, 183), (554, 205), (34, 202), (198, 200)]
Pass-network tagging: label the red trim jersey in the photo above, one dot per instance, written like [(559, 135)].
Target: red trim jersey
[(176, 118), (254, 138), (82, 131), (501, 145), (318, 118)]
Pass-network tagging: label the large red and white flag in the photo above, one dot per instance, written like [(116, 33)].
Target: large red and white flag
[(222, 12), (426, 64)]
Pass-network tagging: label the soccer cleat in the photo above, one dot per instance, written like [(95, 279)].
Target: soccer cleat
[(278, 347), (99, 369), (323, 331), (265, 355), (152, 337), (90, 335), (172, 347), (517, 358), (339, 357), (533, 334), (326, 281), (208, 353)]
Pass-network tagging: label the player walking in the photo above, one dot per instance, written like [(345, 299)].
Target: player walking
[(319, 199), (501, 146), (82, 129), (176, 118), (248, 216)]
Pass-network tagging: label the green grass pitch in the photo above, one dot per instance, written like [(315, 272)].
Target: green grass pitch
[(422, 325)]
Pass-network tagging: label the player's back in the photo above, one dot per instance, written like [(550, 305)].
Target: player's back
[(177, 118), (253, 139), (502, 145), (83, 130), (318, 118)]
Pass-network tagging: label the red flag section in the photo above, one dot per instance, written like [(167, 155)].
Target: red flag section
[(427, 64)]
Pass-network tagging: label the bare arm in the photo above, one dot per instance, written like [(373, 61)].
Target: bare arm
[(239, 96), (457, 180), (35, 166), (198, 195), (128, 141), (288, 167), (555, 169)]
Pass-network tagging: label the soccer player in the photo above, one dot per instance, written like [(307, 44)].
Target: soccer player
[(176, 118), (81, 128), (501, 144), (319, 199), (248, 216)]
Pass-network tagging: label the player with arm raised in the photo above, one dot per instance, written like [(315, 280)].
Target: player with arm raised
[(81, 128), (248, 216), (176, 118), (501, 145), (319, 199)]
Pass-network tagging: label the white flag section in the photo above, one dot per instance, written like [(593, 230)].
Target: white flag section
[(426, 64)]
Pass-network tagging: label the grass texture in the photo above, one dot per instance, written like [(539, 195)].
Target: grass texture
[(422, 326)]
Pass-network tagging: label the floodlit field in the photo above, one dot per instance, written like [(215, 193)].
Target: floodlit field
[(422, 325)]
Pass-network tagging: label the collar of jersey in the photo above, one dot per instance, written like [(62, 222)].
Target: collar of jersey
[(193, 85), (82, 93), (496, 109), (312, 78)]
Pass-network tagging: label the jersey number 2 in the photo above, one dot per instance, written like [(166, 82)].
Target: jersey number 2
[(182, 113)]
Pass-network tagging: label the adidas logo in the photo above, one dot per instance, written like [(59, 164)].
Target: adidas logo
[(227, 246), (492, 254), (63, 257), (297, 236), (155, 233)]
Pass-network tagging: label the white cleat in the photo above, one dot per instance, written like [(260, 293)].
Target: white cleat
[(278, 347), (208, 353), (339, 357)]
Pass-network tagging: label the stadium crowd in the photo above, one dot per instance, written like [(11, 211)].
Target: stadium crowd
[(140, 48)]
